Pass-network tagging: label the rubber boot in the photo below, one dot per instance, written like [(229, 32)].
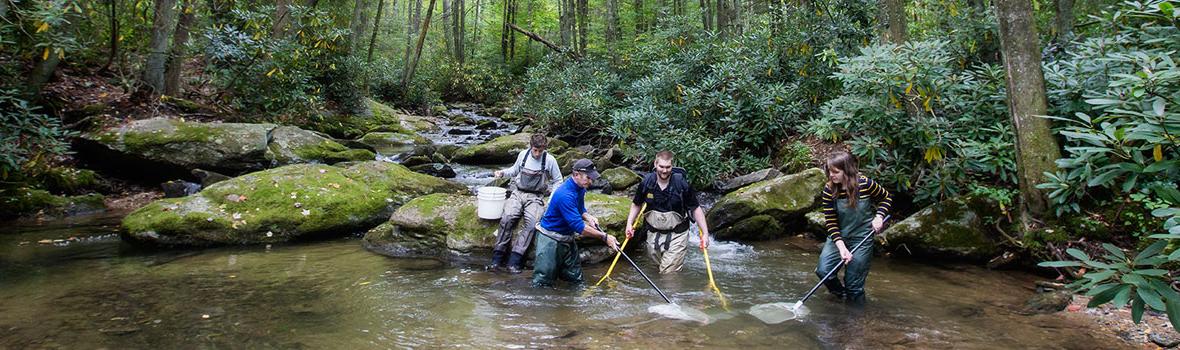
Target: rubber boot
[(497, 260), (515, 263)]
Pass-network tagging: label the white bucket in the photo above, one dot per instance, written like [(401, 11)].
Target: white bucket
[(489, 202)]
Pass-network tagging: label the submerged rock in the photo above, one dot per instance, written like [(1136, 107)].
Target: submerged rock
[(501, 150), (445, 225), (208, 178), (23, 201), (179, 188), (435, 169), (761, 210), (282, 204), (381, 140), (1049, 302), (953, 228)]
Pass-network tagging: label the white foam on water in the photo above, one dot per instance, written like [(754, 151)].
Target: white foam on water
[(678, 312), (775, 313)]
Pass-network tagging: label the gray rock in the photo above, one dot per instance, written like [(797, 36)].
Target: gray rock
[(208, 178), (745, 180), (1047, 303), (783, 200), (179, 188), (435, 169), (954, 228)]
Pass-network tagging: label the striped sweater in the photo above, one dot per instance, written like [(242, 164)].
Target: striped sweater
[(868, 189)]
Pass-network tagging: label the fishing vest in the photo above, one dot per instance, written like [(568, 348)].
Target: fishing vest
[(534, 181), (675, 220)]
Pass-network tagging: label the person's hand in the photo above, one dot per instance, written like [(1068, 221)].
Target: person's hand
[(498, 173), (845, 255), (611, 241), (878, 223), (630, 231), (704, 240), (593, 221)]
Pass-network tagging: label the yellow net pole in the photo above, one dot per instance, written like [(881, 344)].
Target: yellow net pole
[(624, 245), (712, 283)]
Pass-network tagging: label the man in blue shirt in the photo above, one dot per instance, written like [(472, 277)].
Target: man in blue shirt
[(565, 219)]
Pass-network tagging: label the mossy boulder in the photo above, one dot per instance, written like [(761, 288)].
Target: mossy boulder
[(501, 150), (382, 118), (445, 226), (282, 204), (291, 145), (386, 140), (816, 224), (745, 180), (955, 228), (72, 180), (165, 142), (24, 201), (621, 177), (785, 199), (567, 158)]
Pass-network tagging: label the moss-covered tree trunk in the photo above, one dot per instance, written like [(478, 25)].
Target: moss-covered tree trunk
[(177, 54), (1063, 21), (1036, 149), (409, 72)]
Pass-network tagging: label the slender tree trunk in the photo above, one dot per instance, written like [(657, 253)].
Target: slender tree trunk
[(505, 30), (457, 26), (1036, 149), (418, 51), (892, 19), (114, 19), (583, 25), (475, 26), (179, 44), (1063, 22), (413, 18), (162, 24), (612, 27), (376, 27), (447, 29), (706, 8), (356, 25), (637, 7), (282, 9)]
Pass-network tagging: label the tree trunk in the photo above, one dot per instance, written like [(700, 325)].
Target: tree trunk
[(1063, 22), (409, 72), (447, 29), (637, 7), (179, 43), (475, 26), (356, 25), (706, 8), (892, 19), (612, 27), (459, 24), (1036, 149), (114, 18), (547, 43), (413, 17), (282, 9), (153, 72), (376, 27), (583, 25)]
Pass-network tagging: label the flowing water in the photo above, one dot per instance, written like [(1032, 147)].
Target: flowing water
[(97, 292)]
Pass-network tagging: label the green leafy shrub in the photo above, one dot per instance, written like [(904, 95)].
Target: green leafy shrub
[(795, 157), (569, 97), (29, 140), (919, 123)]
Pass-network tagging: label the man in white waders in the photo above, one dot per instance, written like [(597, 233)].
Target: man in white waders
[(536, 174), (669, 199)]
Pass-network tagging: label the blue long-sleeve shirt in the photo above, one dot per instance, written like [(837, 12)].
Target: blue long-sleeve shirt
[(564, 214)]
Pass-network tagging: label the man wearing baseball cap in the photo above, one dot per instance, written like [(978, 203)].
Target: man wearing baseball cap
[(565, 219)]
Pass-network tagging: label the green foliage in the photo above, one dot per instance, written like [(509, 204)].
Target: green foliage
[(285, 74), (386, 85), (475, 81), (569, 97), (1125, 137), (29, 140), (795, 157), (919, 123)]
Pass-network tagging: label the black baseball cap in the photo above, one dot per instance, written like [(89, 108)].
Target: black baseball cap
[(586, 166)]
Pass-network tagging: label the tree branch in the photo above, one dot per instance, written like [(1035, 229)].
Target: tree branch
[(550, 44)]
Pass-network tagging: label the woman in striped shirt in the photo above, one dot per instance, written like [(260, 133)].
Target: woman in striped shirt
[(849, 216)]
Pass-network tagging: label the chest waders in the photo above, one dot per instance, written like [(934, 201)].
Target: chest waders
[(855, 225), (527, 202)]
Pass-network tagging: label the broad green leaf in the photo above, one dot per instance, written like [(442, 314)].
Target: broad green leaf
[(1151, 250), (1137, 310), (1077, 254), (1121, 298), (1101, 289), (1099, 276), (1151, 272), (1061, 263), (1137, 280), (1151, 297), (1108, 295), (1174, 312), (1114, 250)]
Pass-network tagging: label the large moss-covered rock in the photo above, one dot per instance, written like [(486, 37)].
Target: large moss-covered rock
[(282, 204), (621, 177), (953, 228), (386, 140), (745, 180), (291, 145), (445, 225), (785, 199), (381, 118), (227, 147), (501, 150), (567, 158)]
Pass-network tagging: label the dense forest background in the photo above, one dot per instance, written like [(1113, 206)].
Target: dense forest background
[(1064, 113)]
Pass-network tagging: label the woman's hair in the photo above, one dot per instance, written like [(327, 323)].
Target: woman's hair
[(847, 165)]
